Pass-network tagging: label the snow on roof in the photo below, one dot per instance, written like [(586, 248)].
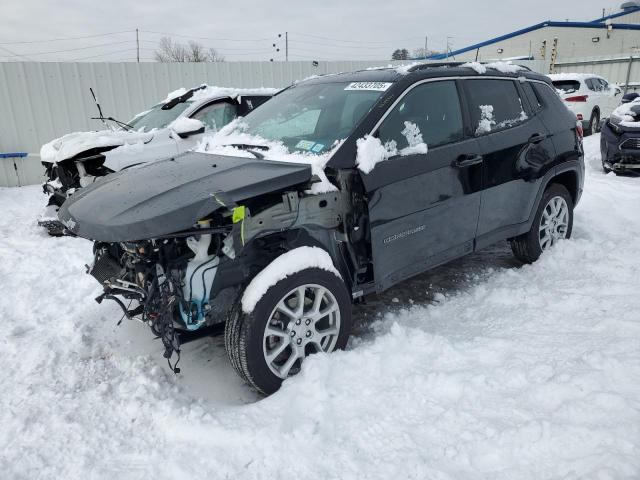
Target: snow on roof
[(572, 76), (210, 92)]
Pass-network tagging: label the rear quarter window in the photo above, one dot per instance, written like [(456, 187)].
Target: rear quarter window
[(567, 86), (534, 102)]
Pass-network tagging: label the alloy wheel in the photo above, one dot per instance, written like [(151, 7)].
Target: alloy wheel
[(554, 222), (306, 320)]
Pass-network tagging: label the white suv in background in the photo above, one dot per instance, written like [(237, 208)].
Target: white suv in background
[(589, 96)]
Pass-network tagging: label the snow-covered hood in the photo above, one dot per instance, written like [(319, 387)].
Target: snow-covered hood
[(627, 115), (72, 144), (169, 196)]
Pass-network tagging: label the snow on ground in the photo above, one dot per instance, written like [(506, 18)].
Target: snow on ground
[(480, 369)]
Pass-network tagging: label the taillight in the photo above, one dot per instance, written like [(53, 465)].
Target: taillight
[(579, 130), (577, 98)]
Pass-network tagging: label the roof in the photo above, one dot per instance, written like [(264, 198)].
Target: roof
[(598, 23), (572, 76), (422, 70)]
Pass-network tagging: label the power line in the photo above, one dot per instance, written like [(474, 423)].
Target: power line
[(13, 54), (207, 38), (75, 49), (357, 41), (67, 38), (359, 47), (103, 54)]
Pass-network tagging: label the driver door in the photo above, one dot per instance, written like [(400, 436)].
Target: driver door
[(423, 207)]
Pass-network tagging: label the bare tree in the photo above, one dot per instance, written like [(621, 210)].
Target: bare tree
[(168, 51), (215, 56), (420, 52)]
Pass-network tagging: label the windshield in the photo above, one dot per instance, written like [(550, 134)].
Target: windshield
[(567, 86), (157, 118), (310, 118)]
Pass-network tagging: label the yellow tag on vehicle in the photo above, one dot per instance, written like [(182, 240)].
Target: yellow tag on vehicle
[(238, 214)]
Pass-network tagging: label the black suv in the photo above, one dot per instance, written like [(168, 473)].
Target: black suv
[(455, 160)]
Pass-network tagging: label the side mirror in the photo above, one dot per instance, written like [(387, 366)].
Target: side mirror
[(186, 127)]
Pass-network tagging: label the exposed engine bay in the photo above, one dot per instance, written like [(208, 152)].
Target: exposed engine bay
[(190, 280), (170, 280)]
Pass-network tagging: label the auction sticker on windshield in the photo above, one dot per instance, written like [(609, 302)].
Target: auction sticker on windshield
[(375, 86)]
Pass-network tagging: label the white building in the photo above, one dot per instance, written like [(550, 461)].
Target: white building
[(555, 41)]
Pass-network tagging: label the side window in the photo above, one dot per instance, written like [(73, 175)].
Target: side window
[(494, 105), (429, 113), (604, 86), (534, 101), (547, 95), (591, 84), (216, 116)]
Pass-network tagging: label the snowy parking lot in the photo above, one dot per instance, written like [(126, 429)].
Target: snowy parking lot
[(484, 368)]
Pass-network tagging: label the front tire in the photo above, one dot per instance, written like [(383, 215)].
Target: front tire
[(553, 222), (307, 312)]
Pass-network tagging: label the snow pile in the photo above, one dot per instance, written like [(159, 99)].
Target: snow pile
[(414, 138), (371, 151), (234, 133), (174, 94), (405, 69), (527, 372), (285, 265), (72, 144), (183, 125), (486, 119), (477, 66)]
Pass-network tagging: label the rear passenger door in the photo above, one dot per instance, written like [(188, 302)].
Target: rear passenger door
[(423, 207), (516, 148)]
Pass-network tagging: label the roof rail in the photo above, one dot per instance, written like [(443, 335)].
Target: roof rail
[(422, 66)]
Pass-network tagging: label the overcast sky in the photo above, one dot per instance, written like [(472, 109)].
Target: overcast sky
[(246, 29)]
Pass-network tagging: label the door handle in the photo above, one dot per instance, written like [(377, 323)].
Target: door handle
[(464, 161), (537, 138)]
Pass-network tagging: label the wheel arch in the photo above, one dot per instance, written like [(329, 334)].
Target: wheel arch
[(569, 180), (270, 246)]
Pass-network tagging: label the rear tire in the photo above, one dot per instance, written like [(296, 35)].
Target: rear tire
[(594, 123), (553, 221), (268, 345)]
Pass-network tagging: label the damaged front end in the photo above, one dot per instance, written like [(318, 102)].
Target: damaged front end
[(174, 241), (64, 178), (167, 282), (620, 140)]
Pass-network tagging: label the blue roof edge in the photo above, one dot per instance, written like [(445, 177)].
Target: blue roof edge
[(616, 15), (537, 26)]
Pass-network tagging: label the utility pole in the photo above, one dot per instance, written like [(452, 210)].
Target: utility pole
[(137, 46), (286, 46), (426, 39)]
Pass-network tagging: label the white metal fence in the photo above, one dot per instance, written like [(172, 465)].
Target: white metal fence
[(622, 70), (42, 101)]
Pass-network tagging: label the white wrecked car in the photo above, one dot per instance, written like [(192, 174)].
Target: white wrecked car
[(171, 127)]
